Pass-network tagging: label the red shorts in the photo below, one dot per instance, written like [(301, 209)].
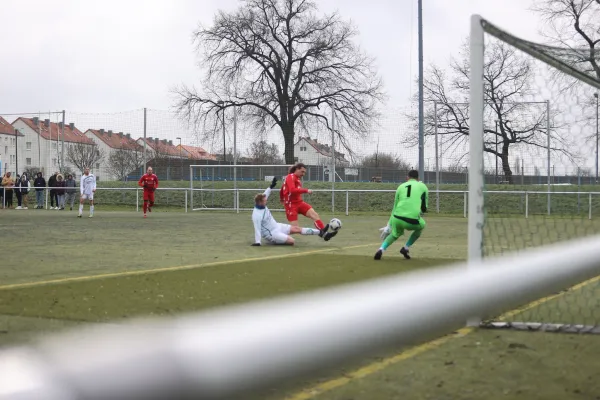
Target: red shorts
[(292, 210), (149, 195)]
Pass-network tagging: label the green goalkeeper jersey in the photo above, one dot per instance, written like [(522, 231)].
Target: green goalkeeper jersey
[(412, 199)]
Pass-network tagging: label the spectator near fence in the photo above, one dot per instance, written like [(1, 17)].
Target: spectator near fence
[(52, 186), (70, 185), (40, 185), (60, 192), (22, 190), (9, 183)]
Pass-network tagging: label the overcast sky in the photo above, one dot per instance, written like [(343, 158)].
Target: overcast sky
[(108, 56)]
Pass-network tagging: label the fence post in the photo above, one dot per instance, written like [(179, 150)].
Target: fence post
[(465, 197), (526, 204), (346, 203), (186, 207), (47, 190), (137, 200), (590, 207)]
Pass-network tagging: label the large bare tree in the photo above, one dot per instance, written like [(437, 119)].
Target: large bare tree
[(279, 63), (83, 155), (262, 152), (508, 79), (122, 161), (574, 26)]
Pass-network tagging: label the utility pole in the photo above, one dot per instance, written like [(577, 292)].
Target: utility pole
[(496, 151), (597, 129), (17, 133), (180, 156), (421, 94), (220, 103)]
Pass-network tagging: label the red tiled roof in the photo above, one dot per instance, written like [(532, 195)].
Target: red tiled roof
[(53, 131), (323, 149), (162, 147), (6, 128), (115, 140), (196, 153)]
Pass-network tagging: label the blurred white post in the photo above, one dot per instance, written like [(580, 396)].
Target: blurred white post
[(333, 160), (437, 159), (186, 201), (137, 200), (346, 203), (62, 144), (476, 108), (590, 207), (548, 135)]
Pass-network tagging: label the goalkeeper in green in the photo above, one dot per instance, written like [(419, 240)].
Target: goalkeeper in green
[(412, 198)]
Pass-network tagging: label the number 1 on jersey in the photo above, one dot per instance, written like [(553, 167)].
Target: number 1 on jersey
[(408, 188)]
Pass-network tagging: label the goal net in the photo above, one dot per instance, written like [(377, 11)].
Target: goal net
[(533, 179)]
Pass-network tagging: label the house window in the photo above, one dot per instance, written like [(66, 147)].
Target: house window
[(295, 159), (12, 158), (5, 149), (28, 146), (28, 161), (302, 148), (54, 161)]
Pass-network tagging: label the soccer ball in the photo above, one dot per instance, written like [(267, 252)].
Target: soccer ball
[(335, 224)]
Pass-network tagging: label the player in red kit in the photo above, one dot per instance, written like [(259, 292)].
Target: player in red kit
[(149, 182), (291, 196)]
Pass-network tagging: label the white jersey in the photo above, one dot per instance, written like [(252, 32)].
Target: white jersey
[(87, 185), (264, 223)]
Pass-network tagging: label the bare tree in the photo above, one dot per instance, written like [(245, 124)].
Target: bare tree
[(573, 25), (508, 78), (122, 161), (84, 155), (262, 152), (384, 160), (280, 63)]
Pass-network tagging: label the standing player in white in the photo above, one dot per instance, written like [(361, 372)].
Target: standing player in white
[(266, 227), (87, 188)]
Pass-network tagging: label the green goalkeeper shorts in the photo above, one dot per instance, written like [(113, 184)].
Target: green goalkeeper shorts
[(399, 226)]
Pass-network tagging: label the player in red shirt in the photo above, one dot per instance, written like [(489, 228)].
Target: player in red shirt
[(149, 182), (291, 196)]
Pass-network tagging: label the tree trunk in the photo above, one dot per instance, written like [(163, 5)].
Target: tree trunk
[(506, 164), (288, 137)]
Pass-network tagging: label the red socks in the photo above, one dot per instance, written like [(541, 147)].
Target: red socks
[(319, 224), (145, 206)]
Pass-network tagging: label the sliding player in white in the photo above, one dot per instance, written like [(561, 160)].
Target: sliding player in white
[(266, 227), (87, 188)]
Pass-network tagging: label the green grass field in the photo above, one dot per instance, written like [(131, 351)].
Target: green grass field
[(58, 271)]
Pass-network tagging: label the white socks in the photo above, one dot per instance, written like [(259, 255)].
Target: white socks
[(91, 210), (309, 231), (80, 209)]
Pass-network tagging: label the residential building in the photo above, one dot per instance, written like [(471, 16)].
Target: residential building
[(47, 143), (311, 152), (195, 153), (160, 148), (109, 142), (10, 152)]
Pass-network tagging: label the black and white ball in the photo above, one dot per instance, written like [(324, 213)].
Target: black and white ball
[(335, 224)]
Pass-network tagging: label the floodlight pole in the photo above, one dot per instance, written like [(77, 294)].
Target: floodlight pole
[(548, 161), (421, 95), (597, 131), (220, 103), (437, 159), (332, 173), (16, 152), (145, 144), (496, 152), (62, 143), (180, 156)]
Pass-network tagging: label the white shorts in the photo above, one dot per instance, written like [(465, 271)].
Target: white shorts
[(280, 235), (87, 196)]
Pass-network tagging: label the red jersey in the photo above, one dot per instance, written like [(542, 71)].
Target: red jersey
[(149, 181), (291, 190)]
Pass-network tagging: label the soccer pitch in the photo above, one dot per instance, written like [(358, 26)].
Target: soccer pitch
[(59, 271)]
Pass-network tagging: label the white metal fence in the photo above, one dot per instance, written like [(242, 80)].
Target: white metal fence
[(347, 201)]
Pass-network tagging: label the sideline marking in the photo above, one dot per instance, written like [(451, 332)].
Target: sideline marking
[(369, 369), (176, 268)]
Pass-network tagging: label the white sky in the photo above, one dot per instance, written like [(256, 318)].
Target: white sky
[(112, 56), (107, 56)]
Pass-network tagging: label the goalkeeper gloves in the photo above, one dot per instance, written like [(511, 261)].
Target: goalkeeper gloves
[(385, 231), (273, 182)]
